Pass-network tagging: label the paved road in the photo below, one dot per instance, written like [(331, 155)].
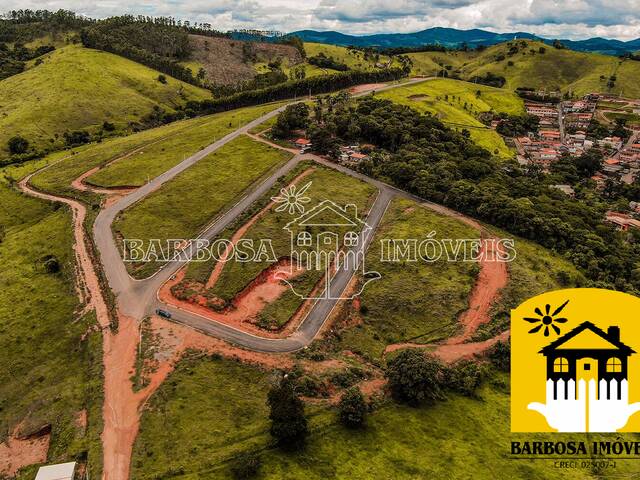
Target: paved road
[(138, 298)]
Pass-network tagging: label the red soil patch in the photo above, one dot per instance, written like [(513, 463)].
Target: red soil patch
[(264, 289), (492, 278), (453, 352), (122, 406), (366, 87), (17, 452)]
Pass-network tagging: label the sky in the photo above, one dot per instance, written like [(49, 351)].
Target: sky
[(572, 19)]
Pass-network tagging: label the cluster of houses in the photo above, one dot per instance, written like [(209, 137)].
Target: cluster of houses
[(542, 147), (351, 154), (563, 129)]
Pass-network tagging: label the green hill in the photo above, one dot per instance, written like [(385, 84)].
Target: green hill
[(77, 88), (458, 104), (523, 64)]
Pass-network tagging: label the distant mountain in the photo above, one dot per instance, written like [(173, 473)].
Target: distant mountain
[(451, 37)]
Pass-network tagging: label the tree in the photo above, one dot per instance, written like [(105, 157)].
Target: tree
[(352, 408), (415, 377), (18, 145), (288, 423), (589, 162), (293, 117)]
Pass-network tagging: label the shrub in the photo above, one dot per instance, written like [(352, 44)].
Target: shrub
[(500, 356), (465, 377), (245, 466), (18, 145), (51, 264), (352, 408), (415, 377)]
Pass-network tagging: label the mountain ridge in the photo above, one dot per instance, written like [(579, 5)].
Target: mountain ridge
[(452, 37)]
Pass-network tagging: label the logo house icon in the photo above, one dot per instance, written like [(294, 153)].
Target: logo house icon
[(331, 239), (587, 372)]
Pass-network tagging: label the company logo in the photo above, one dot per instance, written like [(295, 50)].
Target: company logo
[(575, 366)]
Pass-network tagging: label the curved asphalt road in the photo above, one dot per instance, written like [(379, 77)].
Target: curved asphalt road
[(138, 298)]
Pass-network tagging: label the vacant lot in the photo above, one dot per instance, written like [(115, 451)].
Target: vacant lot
[(79, 88), (458, 104), (143, 155), (412, 298), (325, 184), (186, 204), (51, 363), (211, 410)]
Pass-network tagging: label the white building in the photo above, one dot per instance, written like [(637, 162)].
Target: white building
[(62, 471)]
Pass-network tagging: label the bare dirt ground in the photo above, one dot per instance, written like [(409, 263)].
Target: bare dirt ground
[(17, 452), (228, 61), (367, 87), (493, 277), (260, 138)]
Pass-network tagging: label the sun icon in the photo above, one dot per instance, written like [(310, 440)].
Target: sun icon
[(292, 199), (547, 319)]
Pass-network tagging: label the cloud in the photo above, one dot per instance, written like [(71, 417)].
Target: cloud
[(575, 19)]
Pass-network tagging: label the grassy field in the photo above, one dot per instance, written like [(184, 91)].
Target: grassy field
[(352, 58), (157, 158), (207, 411), (184, 205), (447, 100), (78, 88), (211, 410), (326, 184), (411, 298), (556, 69), (50, 369), (158, 152)]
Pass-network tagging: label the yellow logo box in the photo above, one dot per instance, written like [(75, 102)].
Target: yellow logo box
[(575, 362)]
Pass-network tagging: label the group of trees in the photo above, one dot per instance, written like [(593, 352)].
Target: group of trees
[(517, 125), (420, 154), (322, 61), (293, 117), (490, 79), (292, 88), (418, 378), (12, 60)]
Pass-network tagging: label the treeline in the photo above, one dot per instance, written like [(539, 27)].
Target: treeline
[(489, 79), (423, 156), (155, 45), (290, 89), (25, 25), (430, 47), (529, 93)]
